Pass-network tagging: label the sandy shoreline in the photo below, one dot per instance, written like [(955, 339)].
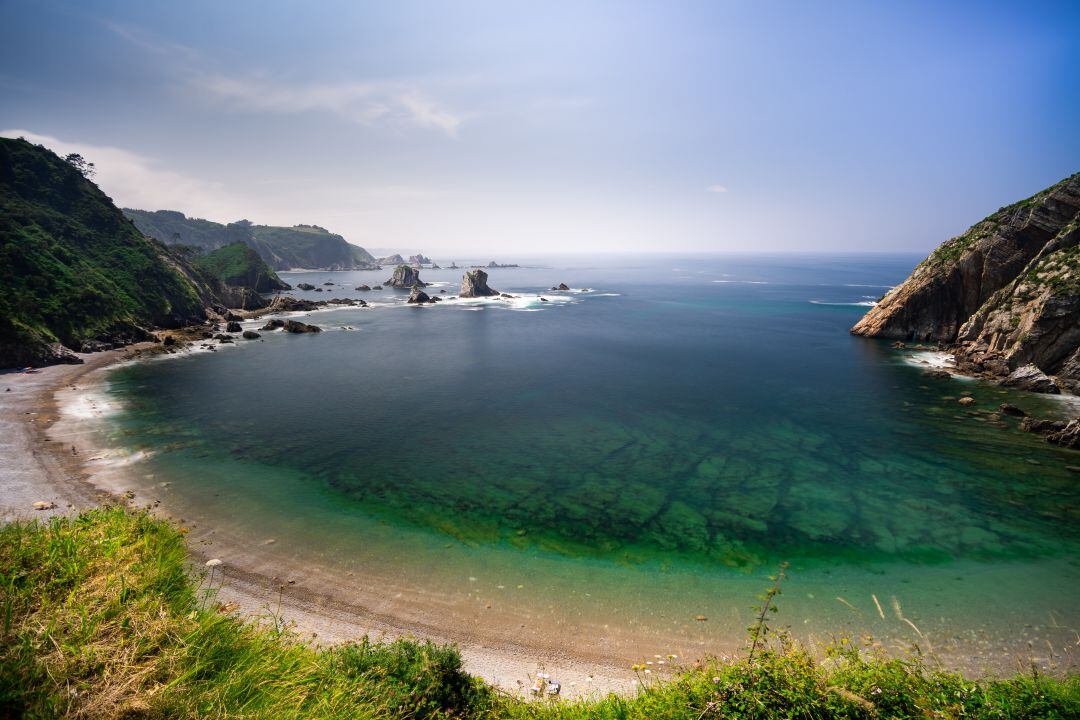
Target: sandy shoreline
[(36, 440)]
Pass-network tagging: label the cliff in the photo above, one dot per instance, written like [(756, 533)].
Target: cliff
[(282, 248), (74, 272), (1005, 294)]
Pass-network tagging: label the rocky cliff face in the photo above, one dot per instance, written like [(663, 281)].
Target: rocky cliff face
[(474, 284), (1005, 294), (405, 277)]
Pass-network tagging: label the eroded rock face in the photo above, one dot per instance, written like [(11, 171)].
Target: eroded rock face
[(474, 284), (405, 277), (1005, 294), (1031, 378)]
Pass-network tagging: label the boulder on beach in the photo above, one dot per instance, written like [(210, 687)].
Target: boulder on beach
[(233, 327), (405, 277), (251, 335), (295, 326), (273, 324), (418, 296), (474, 284)]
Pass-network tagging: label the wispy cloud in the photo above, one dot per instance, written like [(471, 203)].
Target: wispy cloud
[(397, 104), (391, 104), (716, 189), (134, 180)]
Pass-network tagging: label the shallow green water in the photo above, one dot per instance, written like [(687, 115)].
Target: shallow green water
[(710, 417)]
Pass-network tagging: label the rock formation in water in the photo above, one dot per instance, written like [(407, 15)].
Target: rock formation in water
[(405, 277), (419, 259), (295, 326), (1004, 295), (418, 296), (474, 284)]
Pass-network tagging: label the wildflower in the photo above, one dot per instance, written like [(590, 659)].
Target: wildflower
[(213, 563)]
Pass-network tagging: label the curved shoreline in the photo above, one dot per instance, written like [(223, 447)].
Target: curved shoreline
[(38, 440)]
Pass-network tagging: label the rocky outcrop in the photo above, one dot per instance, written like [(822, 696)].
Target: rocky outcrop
[(1060, 432), (1004, 295), (295, 326), (233, 327), (251, 335), (418, 296), (362, 288), (419, 259), (273, 324), (405, 277), (1031, 378), (304, 286), (392, 260), (561, 286), (287, 303), (474, 284)]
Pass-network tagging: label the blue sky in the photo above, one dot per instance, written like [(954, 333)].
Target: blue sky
[(529, 127)]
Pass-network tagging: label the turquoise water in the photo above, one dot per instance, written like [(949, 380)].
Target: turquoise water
[(705, 418)]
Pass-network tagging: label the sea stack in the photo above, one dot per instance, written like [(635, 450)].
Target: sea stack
[(1004, 295), (474, 284), (405, 277), (418, 296)]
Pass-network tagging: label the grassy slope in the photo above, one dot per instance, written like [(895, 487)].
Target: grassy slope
[(100, 619), (240, 266), (72, 267)]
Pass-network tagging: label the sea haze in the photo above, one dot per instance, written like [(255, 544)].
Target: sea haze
[(686, 424)]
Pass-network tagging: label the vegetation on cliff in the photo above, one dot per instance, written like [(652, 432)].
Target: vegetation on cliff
[(282, 248), (1006, 292), (240, 266), (100, 619), (73, 269)]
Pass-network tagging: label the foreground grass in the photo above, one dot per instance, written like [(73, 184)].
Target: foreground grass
[(101, 620)]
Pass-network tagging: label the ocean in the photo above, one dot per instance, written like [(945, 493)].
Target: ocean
[(617, 462)]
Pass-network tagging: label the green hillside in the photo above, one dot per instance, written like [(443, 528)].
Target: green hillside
[(240, 266), (282, 248), (72, 268)]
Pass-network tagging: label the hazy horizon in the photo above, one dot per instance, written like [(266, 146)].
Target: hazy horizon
[(509, 130)]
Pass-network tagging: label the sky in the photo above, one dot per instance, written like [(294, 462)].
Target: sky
[(523, 128)]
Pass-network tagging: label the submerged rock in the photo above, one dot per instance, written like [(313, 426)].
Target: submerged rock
[(1007, 409), (305, 286), (405, 277), (474, 284), (251, 335), (362, 288)]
